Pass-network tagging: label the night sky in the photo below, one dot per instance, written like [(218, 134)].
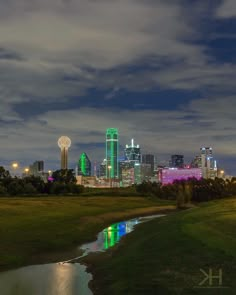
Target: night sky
[(161, 71)]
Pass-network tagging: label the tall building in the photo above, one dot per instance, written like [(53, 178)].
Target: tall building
[(37, 168), (125, 167), (132, 152), (197, 162), (177, 161), (64, 143), (127, 177), (102, 168), (148, 159), (142, 172), (84, 165), (112, 144), (208, 164)]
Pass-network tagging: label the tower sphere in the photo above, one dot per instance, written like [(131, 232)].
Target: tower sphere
[(64, 142)]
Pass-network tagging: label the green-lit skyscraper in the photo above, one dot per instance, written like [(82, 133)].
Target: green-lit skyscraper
[(84, 165), (112, 144)]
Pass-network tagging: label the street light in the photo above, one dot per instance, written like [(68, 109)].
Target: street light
[(26, 170), (15, 166), (109, 169), (222, 172)]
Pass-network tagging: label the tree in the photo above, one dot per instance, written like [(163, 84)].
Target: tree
[(64, 176), (15, 187), (36, 182), (4, 173), (29, 189)]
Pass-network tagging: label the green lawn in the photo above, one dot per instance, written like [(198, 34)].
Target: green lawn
[(164, 256), (46, 229)]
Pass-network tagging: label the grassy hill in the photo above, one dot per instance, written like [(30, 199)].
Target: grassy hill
[(165, 255)]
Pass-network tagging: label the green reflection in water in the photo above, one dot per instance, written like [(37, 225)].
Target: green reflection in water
[(113, 233)]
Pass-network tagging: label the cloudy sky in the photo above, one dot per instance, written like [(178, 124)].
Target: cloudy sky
[(161, 71)]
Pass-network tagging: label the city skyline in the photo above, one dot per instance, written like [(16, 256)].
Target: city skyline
[(162, 72), (115, 153)]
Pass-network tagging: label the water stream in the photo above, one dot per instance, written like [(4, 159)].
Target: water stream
[(66, 277)]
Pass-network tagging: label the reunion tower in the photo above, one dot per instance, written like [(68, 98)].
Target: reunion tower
[(64, 143)]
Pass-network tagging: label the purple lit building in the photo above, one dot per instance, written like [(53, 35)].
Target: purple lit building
[(169, 175)]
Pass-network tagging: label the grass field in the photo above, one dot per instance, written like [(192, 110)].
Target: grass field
[(164, 256), (47, 229)]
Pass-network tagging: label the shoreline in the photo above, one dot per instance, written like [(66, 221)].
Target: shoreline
[(99, 256), (108, 218)]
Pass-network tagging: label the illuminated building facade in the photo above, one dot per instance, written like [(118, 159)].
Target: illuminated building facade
[(127, 176), (112, 146), (132, 152), (169, 175), (124, 165), (87, 181), (84, 165), (208, 164), (142, 172)]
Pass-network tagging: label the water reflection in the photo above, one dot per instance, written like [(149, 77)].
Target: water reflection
[(68, 277), (113, 233), (48, 279), (110, 236)]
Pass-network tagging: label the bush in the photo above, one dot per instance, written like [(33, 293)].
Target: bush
[(15, 188), (29, 189)]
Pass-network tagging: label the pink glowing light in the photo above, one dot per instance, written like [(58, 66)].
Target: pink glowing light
[(169, 175)]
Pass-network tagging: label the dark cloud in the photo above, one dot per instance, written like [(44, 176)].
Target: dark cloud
[(146, 67), (8, 54)]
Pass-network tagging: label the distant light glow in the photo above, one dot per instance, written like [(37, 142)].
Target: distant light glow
[(15, 165), (64, 142), (168, 176)]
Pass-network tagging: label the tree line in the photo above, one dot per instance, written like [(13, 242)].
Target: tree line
[(62, 182), (184, 191)]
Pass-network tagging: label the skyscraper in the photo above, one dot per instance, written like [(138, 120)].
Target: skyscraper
[(177, 161), (112, 143), (148, 159), (197, 162), (84, 165), (37, 168), (132, 152), (208, 165), (102, 168), (142, 172)]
